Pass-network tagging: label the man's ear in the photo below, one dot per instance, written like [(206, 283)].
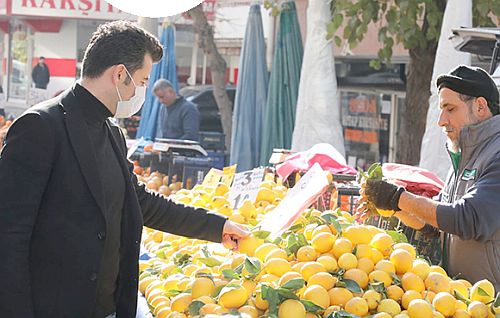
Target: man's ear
[(119, 74), (482, 107)]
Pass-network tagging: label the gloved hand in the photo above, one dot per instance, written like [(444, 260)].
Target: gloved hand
[(383, 195)]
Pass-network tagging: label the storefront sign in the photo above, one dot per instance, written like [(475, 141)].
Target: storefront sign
[(245, 186), (83, 9)]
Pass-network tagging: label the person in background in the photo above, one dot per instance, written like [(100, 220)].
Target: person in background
[(179, 119), (41, 74), (71, 208), (468, 211)]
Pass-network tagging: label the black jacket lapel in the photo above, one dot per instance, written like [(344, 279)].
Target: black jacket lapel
[(80, 141)]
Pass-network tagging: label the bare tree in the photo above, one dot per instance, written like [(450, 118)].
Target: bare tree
[(217, 66)]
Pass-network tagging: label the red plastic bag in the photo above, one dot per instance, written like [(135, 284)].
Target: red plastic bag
[(416, 180)]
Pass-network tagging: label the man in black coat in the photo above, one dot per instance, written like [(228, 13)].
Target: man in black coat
[(71, 208), (41, 74)]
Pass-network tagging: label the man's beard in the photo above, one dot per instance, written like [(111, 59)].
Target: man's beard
[(453, 145)]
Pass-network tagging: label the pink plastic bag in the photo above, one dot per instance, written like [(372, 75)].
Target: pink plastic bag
[(416, 180)]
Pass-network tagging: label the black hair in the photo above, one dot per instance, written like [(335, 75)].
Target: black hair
[(119, 42)]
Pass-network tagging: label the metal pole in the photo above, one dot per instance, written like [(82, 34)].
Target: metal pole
[(194, 62)]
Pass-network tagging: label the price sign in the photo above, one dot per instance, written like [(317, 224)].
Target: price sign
[(300, 197), (245, 186), (213, 177)]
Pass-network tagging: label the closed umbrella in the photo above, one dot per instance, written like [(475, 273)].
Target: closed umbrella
[(166, 68), (251, 95), (318, 111), (283, 84)]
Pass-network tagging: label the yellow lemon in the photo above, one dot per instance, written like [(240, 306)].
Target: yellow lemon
[(408, 296), (323, 241), (357, 234), (287, 277), (250, 311), (445, 303), (249, 244), (363, 251), (202, 286), (262, 251), (339, 296), (357, 275), (329, 262), (366, 265), (438, 269), (386, 266), (402, 260), (291, 308), (389, 306), (411, 281), (276, 253), (318, 295), (380, 276), (307, 254), (372, 298), (311, 268), (461, 313), (382, 242), (477, 309), (260, 303), (482, 291), (181, 302), (458, 286), (437, 282), (347, 261), (357, 306), (324, 279), (277, 266), (419, 308), (421, 268), (394, 292), (341, 246), (233, 297), (408, 247), (376, 255)]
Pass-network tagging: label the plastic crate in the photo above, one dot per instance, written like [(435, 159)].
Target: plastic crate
[(218, 159), (190, 170), (212, 141)]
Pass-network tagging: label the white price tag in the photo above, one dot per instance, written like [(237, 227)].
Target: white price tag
[(245, 186), (300, 197)]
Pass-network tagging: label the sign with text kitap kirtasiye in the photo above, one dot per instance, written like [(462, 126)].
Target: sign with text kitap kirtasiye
[(154, 8)]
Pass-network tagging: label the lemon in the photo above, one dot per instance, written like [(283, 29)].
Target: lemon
[(202, 286), (458, 286), (482, 291), (372, 298), (477, 309), (357, 306), (419, 308), (233, 297), (408, 247), (277, 266), (445, 303), (287, 277), (382, 242), (311, 268), (249, 244), (386, 213), (394, 292), (380, 276), (291, 308), (389, 306), (328, 262), (341, 246), (260, 303), (421, 268), (324, 279), (318, 295), (323, 242), (376, 255), (386, 266), (250, 311), (363, 251), (307, 253), (411, 281), (402, 260), (181, 302), (347, 261), (276, 253), (437, 282), (366, 265), (357, 234), (339, 296), (461, 313), (408, 296), (357, 275)]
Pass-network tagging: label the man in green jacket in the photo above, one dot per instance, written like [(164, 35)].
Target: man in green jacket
[(469, 208)]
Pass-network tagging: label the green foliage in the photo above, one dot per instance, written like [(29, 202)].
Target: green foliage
[(486, 13)]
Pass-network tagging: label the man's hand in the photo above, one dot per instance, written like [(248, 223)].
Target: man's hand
[(383, 195), (232, 233)]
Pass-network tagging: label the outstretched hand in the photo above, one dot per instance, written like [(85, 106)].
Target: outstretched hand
[(232, 233)]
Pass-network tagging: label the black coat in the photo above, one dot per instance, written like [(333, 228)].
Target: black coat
[(52, 226), (41, 76)]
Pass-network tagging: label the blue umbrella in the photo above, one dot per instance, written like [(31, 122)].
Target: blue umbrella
[(283, 84), (166, 68), (251, 95)]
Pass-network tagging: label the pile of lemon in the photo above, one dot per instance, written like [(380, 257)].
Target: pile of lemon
[(324, 266)]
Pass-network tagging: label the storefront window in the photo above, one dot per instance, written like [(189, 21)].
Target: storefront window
[(365, 122), (19, 66)]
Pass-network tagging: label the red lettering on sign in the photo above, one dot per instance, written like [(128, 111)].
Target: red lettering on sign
[(32, 2), (85, 5), (51, 4), (70, 2), (362, 104), (368, 137)]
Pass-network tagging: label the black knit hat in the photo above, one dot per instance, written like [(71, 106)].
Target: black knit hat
[(472, 81)]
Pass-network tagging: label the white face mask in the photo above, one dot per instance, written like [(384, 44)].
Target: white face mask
[(126, 108)]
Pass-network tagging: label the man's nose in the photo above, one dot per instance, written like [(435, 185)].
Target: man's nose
[(442, 119)]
